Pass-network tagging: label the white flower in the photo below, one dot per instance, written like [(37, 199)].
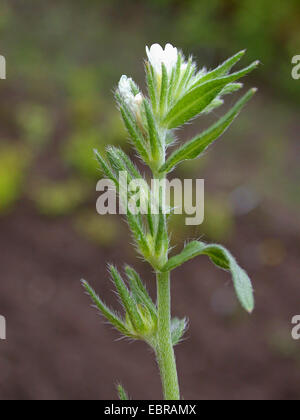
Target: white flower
[(125, 89), (157, 55)]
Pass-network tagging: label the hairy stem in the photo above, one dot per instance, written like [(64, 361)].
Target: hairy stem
[(164, 350), (164, 347)]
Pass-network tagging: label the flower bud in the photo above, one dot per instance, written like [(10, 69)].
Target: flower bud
[(125, 87)]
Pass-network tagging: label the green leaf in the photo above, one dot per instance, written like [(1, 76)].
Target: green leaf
[(107, 171), (213, 105), (139, 291), (223, 259), (130, 166), (178, 328), (160, 234), (116, 162), (185, 77), (197, 99), (231, 87), (135, 134), (150, 219), (171, 85), (111, 316), (122, 393), (155, 144), (134, 88), (126, 299), (176, 75), (194, 147), (222, 69), (121, 162), (163, 89), (137, 230), (151, 85)]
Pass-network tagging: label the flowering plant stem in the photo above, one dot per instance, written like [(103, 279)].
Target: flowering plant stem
[(164, 346), (164, 351), (177, 93)]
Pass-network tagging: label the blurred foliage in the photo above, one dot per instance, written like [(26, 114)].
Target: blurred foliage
[(78, 150), (14, 161), (35, 122), (102, 230), (85, 104), (218, 222), (64, 59), (280, 342), (93, 123), (59, 198), (62, 38)]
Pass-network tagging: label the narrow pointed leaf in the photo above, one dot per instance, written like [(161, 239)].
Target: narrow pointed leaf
[(163, 89), (216, 103), (116, 162), (134, 221), (222, 69), (151, 85), (130, 166), (160, 233), (171, 87), (139, 290), (197, 99), (110, 315), (231, 87), (134, 88), (177, 73), (127, 299), (135, 135), (178, 327), (137, 230), (121, 162), (185, 77), (150, 218), (122, 393), (153, 133), (194, 147), (107, 171), (221, 257)]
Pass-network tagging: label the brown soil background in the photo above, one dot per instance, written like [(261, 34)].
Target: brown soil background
[(58, 348)]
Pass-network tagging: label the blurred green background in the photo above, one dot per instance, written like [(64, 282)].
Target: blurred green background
[(63, 61)]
